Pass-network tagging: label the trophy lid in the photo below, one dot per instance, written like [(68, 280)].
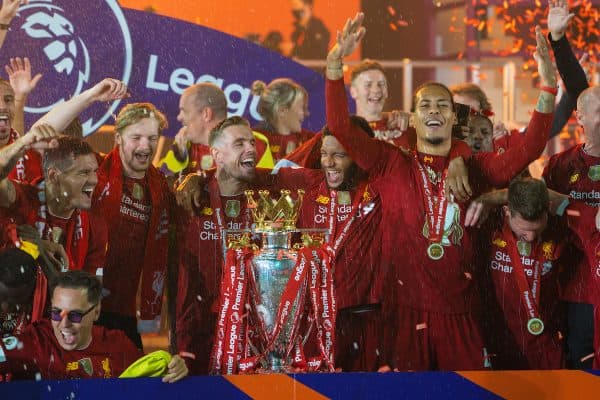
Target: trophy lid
[(272, 215)]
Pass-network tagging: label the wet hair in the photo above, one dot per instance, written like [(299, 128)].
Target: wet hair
[(135, 112), (357, 121), (79, 280), (209, 95), (426, 85), (63, 156), (281, 92), (473, 91), (365, 65), (17, 268), (528, 197), (217, 132)]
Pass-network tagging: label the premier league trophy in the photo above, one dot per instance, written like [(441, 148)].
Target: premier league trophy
[(276, 296)]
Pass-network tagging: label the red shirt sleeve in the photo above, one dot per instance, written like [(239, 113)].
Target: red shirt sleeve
[(499, 169), (371, 155), (308, 155)]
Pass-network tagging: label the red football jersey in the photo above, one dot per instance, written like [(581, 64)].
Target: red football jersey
[(37, 354), (577, 174)]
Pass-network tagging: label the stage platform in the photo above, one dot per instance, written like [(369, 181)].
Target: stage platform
[(530, 385)]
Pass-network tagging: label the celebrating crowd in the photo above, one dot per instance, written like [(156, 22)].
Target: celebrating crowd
[(446, 254)]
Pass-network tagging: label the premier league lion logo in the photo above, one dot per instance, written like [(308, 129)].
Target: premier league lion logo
[(74, 45)]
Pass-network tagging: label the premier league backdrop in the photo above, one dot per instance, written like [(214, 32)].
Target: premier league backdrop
[(75, 44)]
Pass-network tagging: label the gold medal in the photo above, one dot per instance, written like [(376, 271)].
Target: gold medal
[(524, 248), (435, 251), (343, 197), (535, 326), (138, 192), (232, 208)]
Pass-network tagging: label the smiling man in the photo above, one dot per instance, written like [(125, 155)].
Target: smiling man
[(69, 345), (429, 305), (58, 204), (135, 200)]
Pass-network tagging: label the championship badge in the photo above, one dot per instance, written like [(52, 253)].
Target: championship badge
[(86, 364), (343, 197), (138, 192), (291, 146), (232, 208), (524, 248), (594, 173), (435, 251), (56, 234), (535, 326), (206, 162)]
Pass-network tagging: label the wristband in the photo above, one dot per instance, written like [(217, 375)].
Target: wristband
[(4, 27), (549, 89)]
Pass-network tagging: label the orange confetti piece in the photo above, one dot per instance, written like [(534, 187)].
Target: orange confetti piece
[(391, 11)]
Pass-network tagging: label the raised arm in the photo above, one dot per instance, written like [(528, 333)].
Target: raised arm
[(38, 138), (7, 13), (569, 68), (499, 169), (19, 76), (365, 151), (61, 115)]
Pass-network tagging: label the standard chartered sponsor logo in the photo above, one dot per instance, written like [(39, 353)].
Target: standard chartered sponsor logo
[(586, 196)]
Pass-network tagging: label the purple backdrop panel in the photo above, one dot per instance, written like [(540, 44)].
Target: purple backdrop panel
[(76, 44)]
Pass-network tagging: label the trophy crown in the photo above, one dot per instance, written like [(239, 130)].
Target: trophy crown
[(274, 215)]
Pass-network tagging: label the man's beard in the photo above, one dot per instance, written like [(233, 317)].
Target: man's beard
[(435, 141)]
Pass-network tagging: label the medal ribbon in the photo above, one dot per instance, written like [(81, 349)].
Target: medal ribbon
[(530, 295), (435, 217), (323, 303), (230, 338)]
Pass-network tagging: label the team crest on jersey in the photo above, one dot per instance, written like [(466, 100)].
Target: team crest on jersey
[(106, 368), (323, 199), (453, 232), (500, 243), (574, 178), (275, 148), (366, 195), (232, 208), (206, 162), (548, 249), (207, 211), (86, 364)]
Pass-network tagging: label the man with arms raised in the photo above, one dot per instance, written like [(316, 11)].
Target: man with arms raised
[(135, 200), (576, 172), (57, 204), (429, 302)]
